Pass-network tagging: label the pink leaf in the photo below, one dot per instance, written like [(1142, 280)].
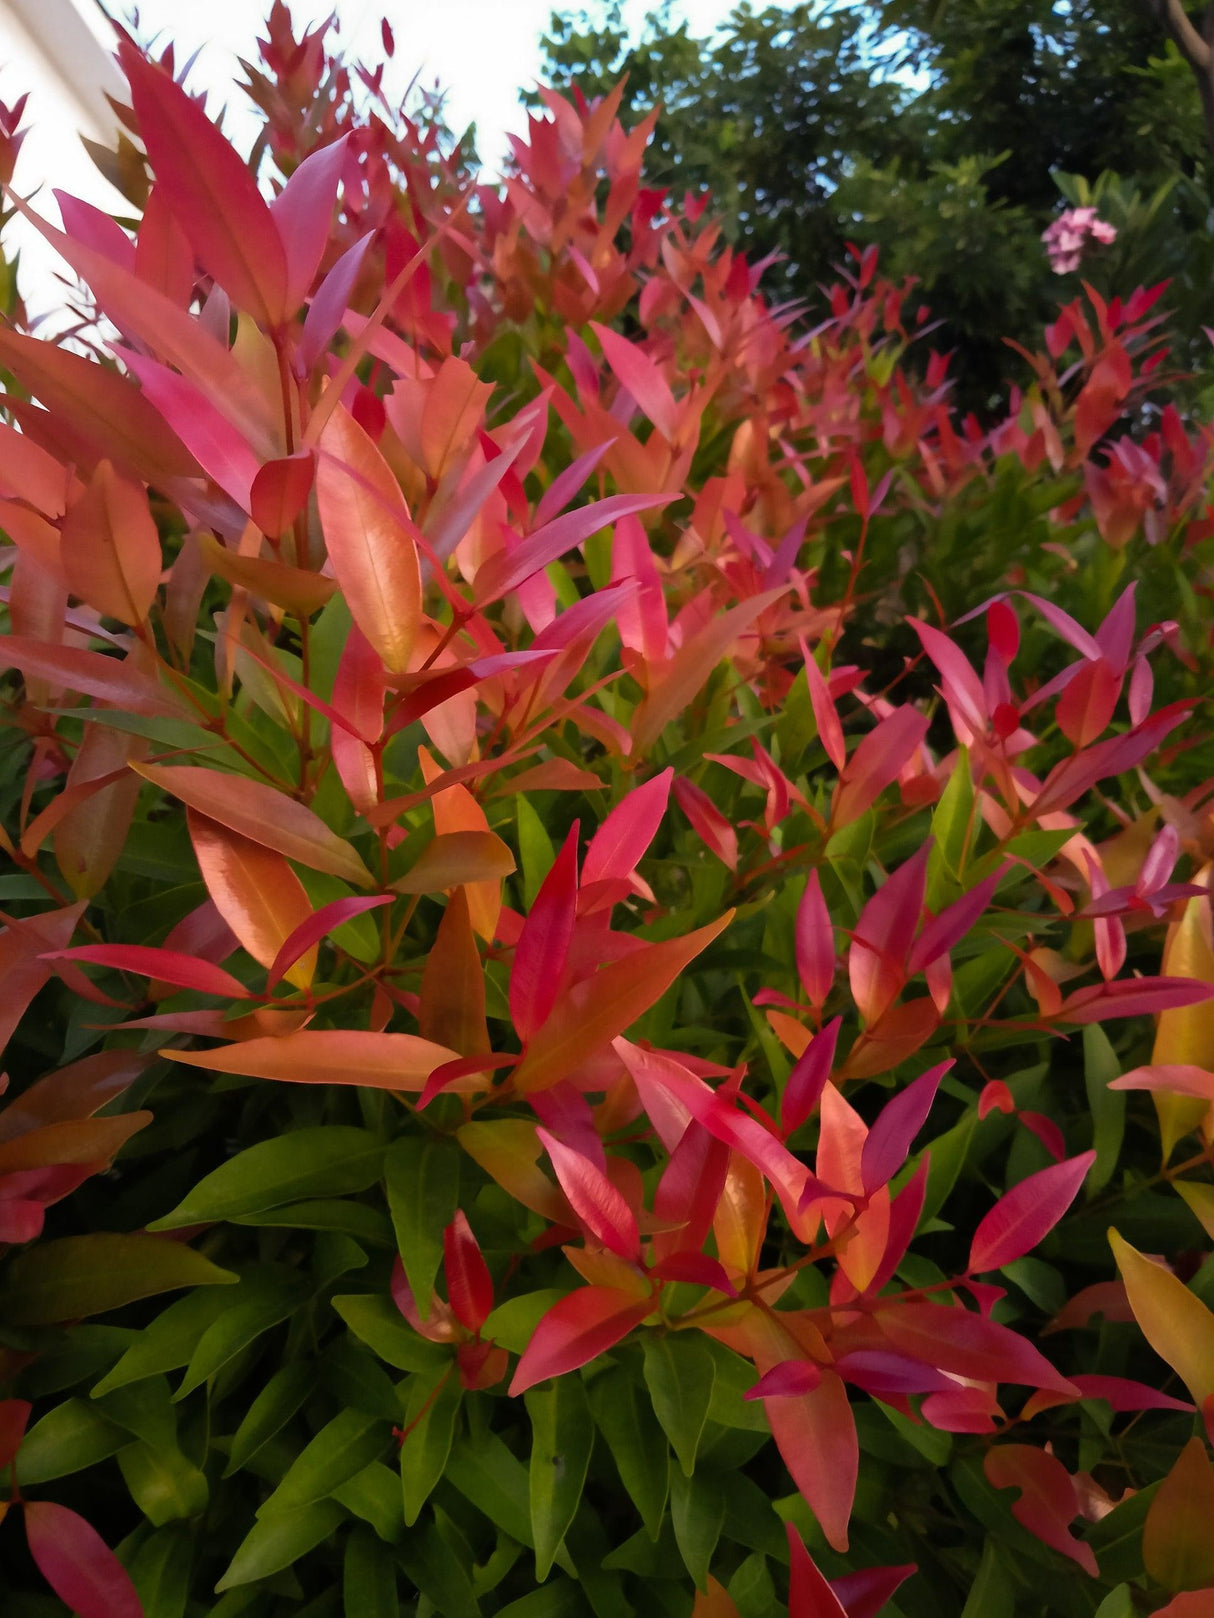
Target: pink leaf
[(809, 1596), (876, 763), (697, 1269), (77, 1563), (1047, 1502), (1174, 1078), (1131, 997), (328, 308), (900, 1120), (809, 1077), (786, 1381), (1123, 1393), (962, 687), (617, 847), (303, 212), (509, 568), (952, 924), (865, 1594), (709, 823), (641, 378), (1027, 1213), (955, 1339), (830, 731), (166, 965), (576, 1330), (315, 927), (816, 1436), (280, 490), (882, 937), (593, 1198), (540, 955), (815, 943)]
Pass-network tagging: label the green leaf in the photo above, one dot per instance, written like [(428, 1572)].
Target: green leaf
[(86, 1275), (1119, 1603), (357, 1219), (369, 1577), (374, 1495), (377, 1322), (679, 1373), (276, 1541), (697, 1511), (163, 1483), (68, 1438), (332, 1161), (265, 1301), (167, 1343), (421, 1175), (631, 1432), (950, 828), (1107, 1107), (160, 1571), (536, 853), (438, 1575), (562, 1437), (946, 1154), (270, 1411), (512, 1324), (339, 1450), (559, 1599), (485, 1472), (432, 1404), (992, 1594)]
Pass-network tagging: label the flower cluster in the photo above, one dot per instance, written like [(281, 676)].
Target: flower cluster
[(1066, 239)]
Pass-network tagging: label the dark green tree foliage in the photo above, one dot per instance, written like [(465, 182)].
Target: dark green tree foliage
[(944, 133)]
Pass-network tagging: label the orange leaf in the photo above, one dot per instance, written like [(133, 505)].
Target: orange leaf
[(292, 588), (110, 548), (456, 810), (255, 891), (328, 1056), (586, 1019), (1173, 1320), (1176, 1545), (1185, 1034), (452, 1008), (366, 528), (90, 837), (73, 1140), (455, 858), (262, 814)]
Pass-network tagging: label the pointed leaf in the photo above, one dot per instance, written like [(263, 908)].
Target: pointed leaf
[(1173, 1320), (1027, 1213), (166, 965), (327, 1056), (576, 1330), (597, 1203), (77, 1563), (543, 945)]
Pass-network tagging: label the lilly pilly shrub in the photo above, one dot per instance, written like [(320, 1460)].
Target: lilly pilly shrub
[(588, 873)]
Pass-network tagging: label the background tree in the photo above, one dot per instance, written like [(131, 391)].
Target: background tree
[(947, 135)]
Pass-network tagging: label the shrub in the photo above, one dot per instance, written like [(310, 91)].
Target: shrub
[(580, 839)]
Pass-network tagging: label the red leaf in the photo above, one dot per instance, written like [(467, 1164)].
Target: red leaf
[(543, 946), (1123, 1393), (617, 847), (809, 1595), (876, 763), (166, 965), (787, 1380), (212, 191), (816, 1435), (367, 531), (110, 547), (697, 1269), (14, 1414), (809, 1077), (280, 491), (77, 1563), (328, 308), (864, 1594), (1131, 997), (815, 943), (951, 925), (1087, 704), (1027, 1213), (830, 731), (111, 679), (881, 939), (957, 1340), (1047, 1502), (709, 823), (593, 1198), (469, 1285), (220, 448), (576, 1330), (315, 927)]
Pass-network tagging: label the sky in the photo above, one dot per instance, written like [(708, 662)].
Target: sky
[(481, 51)]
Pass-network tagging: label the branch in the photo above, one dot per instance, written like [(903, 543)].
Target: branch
[(1177, 23)]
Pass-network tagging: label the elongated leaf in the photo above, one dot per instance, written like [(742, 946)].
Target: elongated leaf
[(421, 1176), (597, 1203), (327, 1056), (1176, 1545), (679, 1373), (255, 891), (111, 679), (331, 1161), (262, 814), (342, 1447), (809, 1595), (1027, 1213), (889, 1140), (86, 1275), (624, 1417), (367, 532), (562, 1436), (1173, 1320), (581, 1326), (455, 858), (110, 548), (211, 190), (510, 568), (543, 946), (303, 214), (77, 1563), (469, 1284), (274, 1542), (597, 1010), (270, 1411), (167, 965), (300, 943)]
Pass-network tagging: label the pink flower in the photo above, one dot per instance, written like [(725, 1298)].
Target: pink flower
[(1066, 238)]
